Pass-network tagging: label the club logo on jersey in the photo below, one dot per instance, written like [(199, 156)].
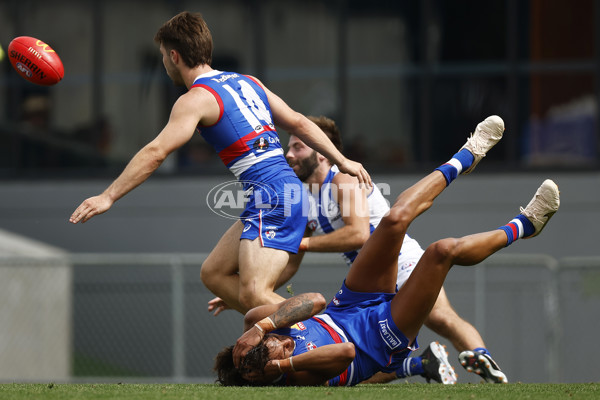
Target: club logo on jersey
[(390, 339), (229, 199), (261, 144), (310, 346), (312, 224), (335, 301)]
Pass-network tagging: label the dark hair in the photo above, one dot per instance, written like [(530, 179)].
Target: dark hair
[(328, 126), (189, 35), (229, 375)]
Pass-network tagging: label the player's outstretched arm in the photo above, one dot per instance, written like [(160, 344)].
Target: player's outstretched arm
[(184, 118)]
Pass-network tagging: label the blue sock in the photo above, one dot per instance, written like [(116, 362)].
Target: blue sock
[(410, 366), (458, 163), (482, 350), (518, 228)]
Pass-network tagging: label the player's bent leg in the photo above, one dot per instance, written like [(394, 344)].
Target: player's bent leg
[(375, 268), (219, 271), (259, 269), (444, 321), (415, 300)]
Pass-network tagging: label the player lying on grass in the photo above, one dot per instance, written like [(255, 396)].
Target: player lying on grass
[(369, 327)]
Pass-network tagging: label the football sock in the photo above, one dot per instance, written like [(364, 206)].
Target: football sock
[(458, 163), (518, 228), (482, 350), (410, 366)]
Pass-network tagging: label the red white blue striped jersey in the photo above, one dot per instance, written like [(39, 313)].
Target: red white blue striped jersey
[(244, 135), (315, 332)]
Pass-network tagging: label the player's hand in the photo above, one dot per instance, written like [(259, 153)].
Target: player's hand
[(356, 169), (245, 343), (90, 207), (217, 305)]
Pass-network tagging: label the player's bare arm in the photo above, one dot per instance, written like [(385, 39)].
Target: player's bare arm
[(298, 125), (352, 200), (185, 116), (315, 367), (284, 314)]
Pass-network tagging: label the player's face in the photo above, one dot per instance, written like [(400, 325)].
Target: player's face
[(303, 159), (276, 345), (170, 67), (279, 349)]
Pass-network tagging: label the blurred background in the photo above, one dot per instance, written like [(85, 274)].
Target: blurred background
[(407, 81)]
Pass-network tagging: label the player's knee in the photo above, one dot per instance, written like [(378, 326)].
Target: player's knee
[(250, 298), (208, 275), (441, 322), (444, 250), (398, 218)]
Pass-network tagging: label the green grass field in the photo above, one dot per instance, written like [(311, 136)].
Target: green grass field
[(405, 391)]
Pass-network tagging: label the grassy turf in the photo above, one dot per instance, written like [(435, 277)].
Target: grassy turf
[(409, 391)]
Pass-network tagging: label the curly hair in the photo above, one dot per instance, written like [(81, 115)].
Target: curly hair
[(229, 375), (189, 35)]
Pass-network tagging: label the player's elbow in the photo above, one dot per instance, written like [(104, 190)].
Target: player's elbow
[(155, 154), (319, 302), (360, 237), (298, 124)]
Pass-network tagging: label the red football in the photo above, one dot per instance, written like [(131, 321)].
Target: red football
[(35, 61)]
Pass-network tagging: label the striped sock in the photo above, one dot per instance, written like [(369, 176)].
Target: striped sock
[(459, 162), (410, 366), (518, 228)]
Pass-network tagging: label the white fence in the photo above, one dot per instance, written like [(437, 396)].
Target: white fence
[(143, 317)]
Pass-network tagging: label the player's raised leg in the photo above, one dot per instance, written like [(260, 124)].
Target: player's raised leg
[(528, 224), (414, 301), (374, 270)]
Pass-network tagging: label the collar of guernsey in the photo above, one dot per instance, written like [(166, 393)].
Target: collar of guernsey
[(338, 336), (235, 153)]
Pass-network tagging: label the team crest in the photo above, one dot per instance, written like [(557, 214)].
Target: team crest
[(310, 346), (261, 144), (312, 224)]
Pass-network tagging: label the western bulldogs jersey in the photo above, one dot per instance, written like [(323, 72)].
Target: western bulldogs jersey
[(315, 332), (244, 136), (325, 216), (245, 139)]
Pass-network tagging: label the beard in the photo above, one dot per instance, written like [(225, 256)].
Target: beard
[(174, 74), (306, 166)]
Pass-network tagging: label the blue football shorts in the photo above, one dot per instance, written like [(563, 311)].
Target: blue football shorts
[(368, 323), (276, 212)]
